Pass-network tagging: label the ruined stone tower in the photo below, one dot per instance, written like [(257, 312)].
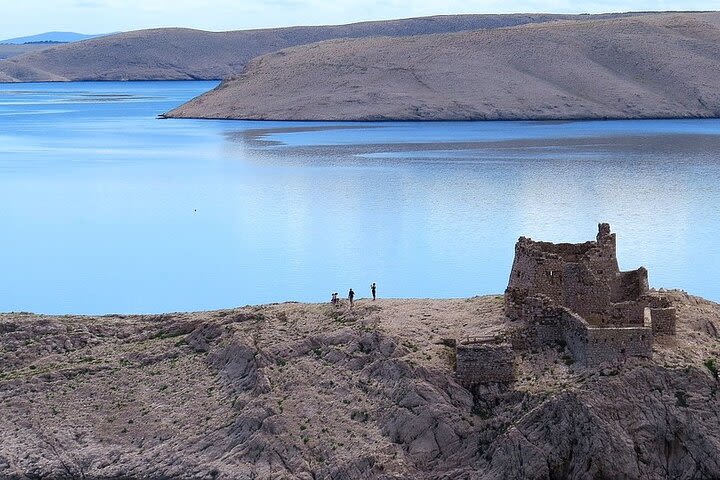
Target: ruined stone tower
[(583, 277), (575, 295), (570, 296)]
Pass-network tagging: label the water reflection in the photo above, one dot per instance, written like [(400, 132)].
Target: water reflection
[(105, 208)]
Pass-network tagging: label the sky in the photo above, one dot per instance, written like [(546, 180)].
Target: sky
[(26, 17)]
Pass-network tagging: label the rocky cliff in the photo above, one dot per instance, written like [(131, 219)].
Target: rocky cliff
[(651, 66), (313, 391)]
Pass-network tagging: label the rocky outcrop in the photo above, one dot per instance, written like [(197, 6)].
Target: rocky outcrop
[(315, 391), (641, 422), (651, 66)]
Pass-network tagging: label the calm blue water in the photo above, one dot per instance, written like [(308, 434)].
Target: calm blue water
[(104, 208)]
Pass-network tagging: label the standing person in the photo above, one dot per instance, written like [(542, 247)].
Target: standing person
[(373, 289), (351, 296)]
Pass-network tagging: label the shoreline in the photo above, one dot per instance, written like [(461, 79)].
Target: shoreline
[(167, 116)]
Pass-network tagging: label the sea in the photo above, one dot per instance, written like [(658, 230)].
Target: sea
[(107, 208)]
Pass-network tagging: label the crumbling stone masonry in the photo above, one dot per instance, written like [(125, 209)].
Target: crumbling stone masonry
[(482, 360), (661, 316), (575, 295)]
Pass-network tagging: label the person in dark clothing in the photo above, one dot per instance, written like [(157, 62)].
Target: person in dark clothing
[(373, 289), (351, 296)]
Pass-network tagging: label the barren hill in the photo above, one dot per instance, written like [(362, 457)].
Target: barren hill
[(650, 66), (184, 54), (10, 50), (295, 391)]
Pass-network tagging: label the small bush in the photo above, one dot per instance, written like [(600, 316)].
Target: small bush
[(411, 345), (681, 399), (448, 342), (162, 335), (481, 411), (711, 365), (360, 416)]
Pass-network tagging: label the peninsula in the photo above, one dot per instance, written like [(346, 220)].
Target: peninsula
[(662, 65), (579, 371)]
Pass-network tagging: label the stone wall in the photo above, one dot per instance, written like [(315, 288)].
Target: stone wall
[(630, 285), (628, 314), (542, 327), (615, 299), (485, 363), (663, 320), (534, 271), (594, 345), (585, 292), (617, 344), (574, 330), (554, 327)]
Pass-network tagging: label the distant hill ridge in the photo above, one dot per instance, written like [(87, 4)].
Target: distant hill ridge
[(186, 54), (663, 65), (50, 42), (50, 37)]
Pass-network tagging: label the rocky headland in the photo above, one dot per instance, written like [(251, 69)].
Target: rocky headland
[(321, 391), (662, 65)]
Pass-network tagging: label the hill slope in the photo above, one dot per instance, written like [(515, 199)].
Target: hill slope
[(8, 50), (311, 391), (660, 65), (184, 54)]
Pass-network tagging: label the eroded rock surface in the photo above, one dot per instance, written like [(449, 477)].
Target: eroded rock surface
[(310, 391)]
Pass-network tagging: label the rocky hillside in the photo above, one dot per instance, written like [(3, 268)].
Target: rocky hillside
[(9, 50), (312, 391), (184, 54), (651, 66)]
